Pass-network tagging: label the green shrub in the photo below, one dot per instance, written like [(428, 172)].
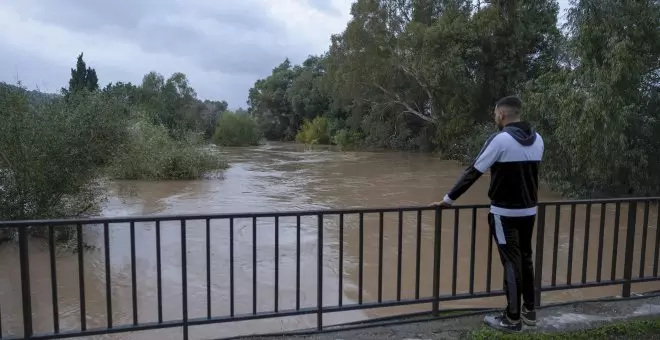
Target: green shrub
[(314, 132), (345, 139), (236, 130), (52, 152), (151, 153)]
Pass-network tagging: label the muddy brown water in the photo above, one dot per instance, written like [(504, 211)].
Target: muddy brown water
[(279, 177)]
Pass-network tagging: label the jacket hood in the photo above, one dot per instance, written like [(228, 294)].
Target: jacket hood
[(522, 132)]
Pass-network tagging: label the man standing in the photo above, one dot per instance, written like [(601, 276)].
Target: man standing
[(513, 155)]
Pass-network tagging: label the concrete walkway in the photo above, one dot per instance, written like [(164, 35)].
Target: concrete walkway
[(571, 317)]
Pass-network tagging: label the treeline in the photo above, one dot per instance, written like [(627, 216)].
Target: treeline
[(57, 149), (424, 75)]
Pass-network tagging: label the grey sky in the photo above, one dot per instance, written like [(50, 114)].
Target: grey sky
[(223, 46)]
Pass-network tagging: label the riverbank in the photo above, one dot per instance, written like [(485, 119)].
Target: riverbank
[(614, 319)]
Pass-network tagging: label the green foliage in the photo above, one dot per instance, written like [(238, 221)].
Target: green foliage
[(270, 106), (345, 140), (170, 102), (619, 330), (51, 154), (412, 75), (83, 78), (600, 115), (169, 126), (54, 150), (236, 129), (418, 75), (151, 153), (314, 132), (466, 148)]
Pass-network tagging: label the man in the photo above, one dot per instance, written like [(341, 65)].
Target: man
[(513, 155)]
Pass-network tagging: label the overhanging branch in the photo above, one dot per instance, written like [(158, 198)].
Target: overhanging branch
[(408, 108)]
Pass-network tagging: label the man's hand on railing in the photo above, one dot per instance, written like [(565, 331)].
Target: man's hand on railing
[(445, 203)]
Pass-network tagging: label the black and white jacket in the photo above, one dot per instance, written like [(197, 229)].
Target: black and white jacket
[(513, 156)]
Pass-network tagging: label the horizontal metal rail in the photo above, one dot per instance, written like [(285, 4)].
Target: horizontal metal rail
[(153, 218)]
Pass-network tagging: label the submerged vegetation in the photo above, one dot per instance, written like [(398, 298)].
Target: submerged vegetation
[(237, 129), (55, 150)]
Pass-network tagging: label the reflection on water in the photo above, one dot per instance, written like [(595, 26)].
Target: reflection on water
[(280, 177)]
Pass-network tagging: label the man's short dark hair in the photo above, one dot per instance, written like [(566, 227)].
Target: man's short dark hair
[(512, 103)]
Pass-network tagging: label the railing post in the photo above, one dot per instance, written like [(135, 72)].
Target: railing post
[(319, 275), (24, 256), (538, 265), (184, 279), (630, 251), (436, 259)]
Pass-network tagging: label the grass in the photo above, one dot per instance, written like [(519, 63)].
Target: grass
[(649, 328)]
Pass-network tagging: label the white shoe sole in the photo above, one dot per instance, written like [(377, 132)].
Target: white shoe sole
[(528, 322)]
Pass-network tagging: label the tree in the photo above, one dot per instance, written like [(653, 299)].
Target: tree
[(611, 90), (305, 93), (55, 149), (424, 75), (52, 154), (269, 104), (170, 102), (518, 42), (92, 81), (82, 78), (209, 112), (236, 130)]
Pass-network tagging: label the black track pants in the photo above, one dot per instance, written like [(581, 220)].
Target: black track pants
[(513, 236)]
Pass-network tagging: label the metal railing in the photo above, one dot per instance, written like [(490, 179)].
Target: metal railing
[(639, 262)]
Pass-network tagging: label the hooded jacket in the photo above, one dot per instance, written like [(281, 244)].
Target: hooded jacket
[(513, 156)]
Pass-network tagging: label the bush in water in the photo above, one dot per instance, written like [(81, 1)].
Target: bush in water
[(52, 152), (314, 132), (236, 130), (151, 153)]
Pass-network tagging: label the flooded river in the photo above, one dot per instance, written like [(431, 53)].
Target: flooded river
[(282, 177)]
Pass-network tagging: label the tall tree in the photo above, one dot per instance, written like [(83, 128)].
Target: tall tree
[(91, 80), (611, 91), (269, 104), (518, 41), (82, 78)]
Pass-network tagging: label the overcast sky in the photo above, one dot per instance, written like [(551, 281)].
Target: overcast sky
[(223, 46)]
